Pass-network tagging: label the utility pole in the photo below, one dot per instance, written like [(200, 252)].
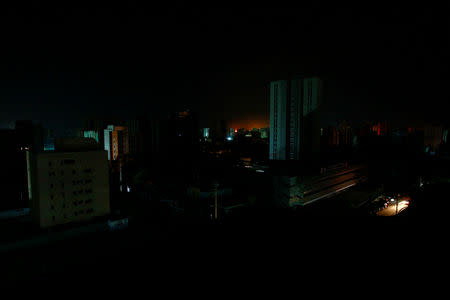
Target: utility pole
[(215, 205), (214, 190)]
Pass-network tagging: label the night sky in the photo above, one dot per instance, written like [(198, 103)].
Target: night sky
[(59, 64)]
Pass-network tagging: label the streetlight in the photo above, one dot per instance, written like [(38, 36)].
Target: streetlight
[(396, 209)]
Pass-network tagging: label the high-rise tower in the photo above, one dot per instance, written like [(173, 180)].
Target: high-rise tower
[(294, 118)]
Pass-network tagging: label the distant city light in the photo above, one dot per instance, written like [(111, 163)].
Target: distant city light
[(206, 132), (91, 134)]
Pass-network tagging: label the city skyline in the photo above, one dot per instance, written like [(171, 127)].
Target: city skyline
[(144, 140)]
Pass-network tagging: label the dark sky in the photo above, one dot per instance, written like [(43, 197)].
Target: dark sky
[(61, 63)]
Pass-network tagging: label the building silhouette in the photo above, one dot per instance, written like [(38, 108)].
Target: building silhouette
[(13, 180)]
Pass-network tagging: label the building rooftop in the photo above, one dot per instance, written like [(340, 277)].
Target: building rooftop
[(76, 145)]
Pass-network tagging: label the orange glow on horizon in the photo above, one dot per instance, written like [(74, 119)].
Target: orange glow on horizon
[(250, 125)]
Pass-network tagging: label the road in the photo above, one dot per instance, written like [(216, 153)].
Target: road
[(391, 210)]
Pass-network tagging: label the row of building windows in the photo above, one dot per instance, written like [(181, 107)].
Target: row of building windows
[(53, 173), (80, 212), (75, 193), (79, 192), (81, 181), (75, 203), (62, 162), (74, 182)]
